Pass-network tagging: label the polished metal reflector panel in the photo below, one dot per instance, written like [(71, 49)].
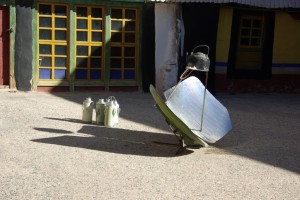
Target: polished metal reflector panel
[(186, 102)]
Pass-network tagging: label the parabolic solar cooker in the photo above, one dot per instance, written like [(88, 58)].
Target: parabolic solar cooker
[(191, 111)]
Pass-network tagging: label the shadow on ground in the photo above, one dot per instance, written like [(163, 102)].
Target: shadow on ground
[(265, 128), (135, 106), (114, 140)]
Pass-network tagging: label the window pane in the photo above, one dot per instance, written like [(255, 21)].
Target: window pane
[(96, 36), (130, 37), (45, 22), (95, 62), (46, 62), (81, 36), (256, 32), (45, 73), (130, 14), (115, 63), (81, 12), (44, 9), (60, 10), (255, 42), (96, 12), (96, 24), (81, 74), (116, 37), (129, 26), (257, 23), (116, 51), (129, 63), (96, 51), (45, 49), (60, 23), (129, 74), (81, 62), (244, 41), (60, 35), (82, 50), (245, 32), (95, 74), (45, 34), (116, 25), (129, 51), (60, 62), (116, 13), (60, 50), (60, 74), (246, 22), (115, 74), (81, 24)]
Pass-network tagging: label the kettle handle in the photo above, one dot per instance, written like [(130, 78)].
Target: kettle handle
[(111, 98), (201, 46)]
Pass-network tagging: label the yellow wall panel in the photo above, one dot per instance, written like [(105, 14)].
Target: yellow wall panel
[(286, 47), (224, 32)]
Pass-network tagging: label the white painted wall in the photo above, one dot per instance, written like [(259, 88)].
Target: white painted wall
[(166, 46)]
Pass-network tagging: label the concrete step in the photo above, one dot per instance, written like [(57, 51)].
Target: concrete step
[(4, 86)]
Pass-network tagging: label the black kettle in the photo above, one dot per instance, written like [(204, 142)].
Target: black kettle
[(198, 60)]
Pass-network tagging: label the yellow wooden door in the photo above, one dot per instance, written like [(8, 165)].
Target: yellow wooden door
[(250, 40)]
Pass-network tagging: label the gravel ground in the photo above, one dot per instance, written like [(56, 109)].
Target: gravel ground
[(46, 152)]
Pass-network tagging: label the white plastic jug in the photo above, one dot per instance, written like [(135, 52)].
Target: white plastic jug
[(100, 111), (117, 107), (110, 113), (87, 110)]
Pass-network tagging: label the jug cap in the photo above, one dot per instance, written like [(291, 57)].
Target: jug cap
[(101, 101), (89, 99)]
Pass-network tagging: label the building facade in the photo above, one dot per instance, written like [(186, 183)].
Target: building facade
[(254, 45), (72, 44), (76, 45), (258, 49)]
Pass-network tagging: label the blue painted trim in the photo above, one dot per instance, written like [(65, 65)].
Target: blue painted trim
[(221, 64), (296, 65)]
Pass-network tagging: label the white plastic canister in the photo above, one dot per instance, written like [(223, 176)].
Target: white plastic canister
[(87, 110), (117, 107), (110, 111), (100, 111)]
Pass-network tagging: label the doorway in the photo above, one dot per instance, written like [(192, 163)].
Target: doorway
[(4, 45), (201, 28), (251, 47)]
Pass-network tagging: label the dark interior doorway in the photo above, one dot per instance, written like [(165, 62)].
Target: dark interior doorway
[(201, 26), (250, 54), (4, 45)]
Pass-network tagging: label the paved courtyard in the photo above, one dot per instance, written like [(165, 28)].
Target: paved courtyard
[(46, 152)]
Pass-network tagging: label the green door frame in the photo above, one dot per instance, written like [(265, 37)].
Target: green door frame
[(107, 5)]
